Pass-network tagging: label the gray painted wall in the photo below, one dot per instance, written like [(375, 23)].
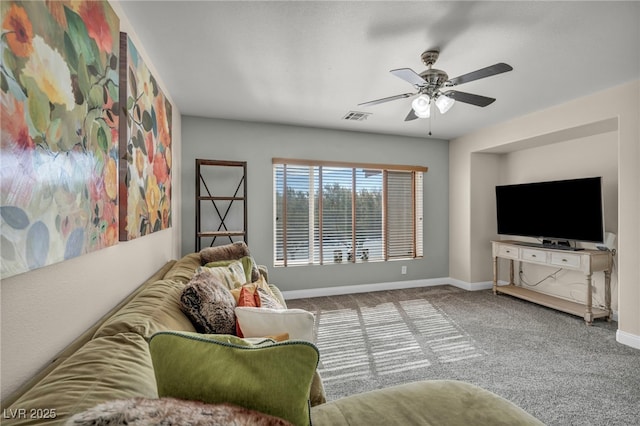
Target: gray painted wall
[(258, 143)]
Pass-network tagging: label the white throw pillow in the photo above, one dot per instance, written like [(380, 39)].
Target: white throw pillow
[(260, 322)]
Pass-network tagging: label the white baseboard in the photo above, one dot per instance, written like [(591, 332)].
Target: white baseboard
[(628, 339), (397, 285), (483, 285)]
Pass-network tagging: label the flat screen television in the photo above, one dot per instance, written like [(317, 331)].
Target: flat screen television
[(563, 210)]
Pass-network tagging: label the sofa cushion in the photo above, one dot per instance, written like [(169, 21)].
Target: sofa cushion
[(184, 268), (209, 304), (428, 403), (155, 308), (111, 367), (273, 379)]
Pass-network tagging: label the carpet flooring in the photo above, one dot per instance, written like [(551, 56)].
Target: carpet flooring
[(547, 362)]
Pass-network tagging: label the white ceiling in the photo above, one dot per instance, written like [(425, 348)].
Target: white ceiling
[(310, 62)]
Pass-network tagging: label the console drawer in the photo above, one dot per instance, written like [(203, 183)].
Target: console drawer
[(534, 255), (566, 260), (508, 252)]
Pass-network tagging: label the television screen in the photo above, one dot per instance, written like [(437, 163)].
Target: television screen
[(557, 210)]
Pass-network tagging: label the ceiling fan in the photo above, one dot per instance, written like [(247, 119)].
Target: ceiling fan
[(431, 83)]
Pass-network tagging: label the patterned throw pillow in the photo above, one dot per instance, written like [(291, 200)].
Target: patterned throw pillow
[(248, 264), (231, 275), (266, 299), (208, 304)]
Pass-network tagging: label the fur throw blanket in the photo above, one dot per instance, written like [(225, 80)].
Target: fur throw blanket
[(170, 411)]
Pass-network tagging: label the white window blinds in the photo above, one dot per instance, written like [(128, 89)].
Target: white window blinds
[(400, 215), (343, 212)]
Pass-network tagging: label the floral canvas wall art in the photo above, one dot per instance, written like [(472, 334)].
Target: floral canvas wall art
[(59, 124), (145, 149)]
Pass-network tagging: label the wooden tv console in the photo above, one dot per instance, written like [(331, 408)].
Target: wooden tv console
[(586, 261)]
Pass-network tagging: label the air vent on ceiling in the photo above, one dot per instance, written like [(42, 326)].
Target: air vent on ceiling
[(356, 116)]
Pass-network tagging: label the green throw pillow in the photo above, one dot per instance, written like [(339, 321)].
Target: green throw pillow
[(273, 378)]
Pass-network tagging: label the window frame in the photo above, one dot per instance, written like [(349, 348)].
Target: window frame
[(417, 208)]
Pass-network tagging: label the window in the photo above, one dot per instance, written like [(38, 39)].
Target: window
[(334, 212)]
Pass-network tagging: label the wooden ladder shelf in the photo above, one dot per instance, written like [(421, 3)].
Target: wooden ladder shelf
[(224, 223)]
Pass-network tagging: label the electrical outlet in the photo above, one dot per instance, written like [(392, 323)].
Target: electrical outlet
[(404, 269)]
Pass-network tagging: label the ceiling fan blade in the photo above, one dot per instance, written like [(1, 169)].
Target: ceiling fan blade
[(481, 73), (411, 116), (469, 98), (390, 98), (409, 75)]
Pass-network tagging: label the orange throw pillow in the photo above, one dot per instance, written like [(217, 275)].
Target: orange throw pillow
[(247, 298)]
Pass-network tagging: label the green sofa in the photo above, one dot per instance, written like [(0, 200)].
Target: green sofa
[(112, 361)]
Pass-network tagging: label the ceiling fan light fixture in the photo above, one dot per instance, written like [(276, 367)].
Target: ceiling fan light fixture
[(423, 114), (429, 83), (444, 103), (422, 106)]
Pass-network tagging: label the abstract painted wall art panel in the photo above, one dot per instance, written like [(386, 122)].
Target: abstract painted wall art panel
[(59, 124), (145, 149)]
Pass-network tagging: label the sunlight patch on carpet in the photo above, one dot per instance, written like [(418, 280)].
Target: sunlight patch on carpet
[(389, 338)]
